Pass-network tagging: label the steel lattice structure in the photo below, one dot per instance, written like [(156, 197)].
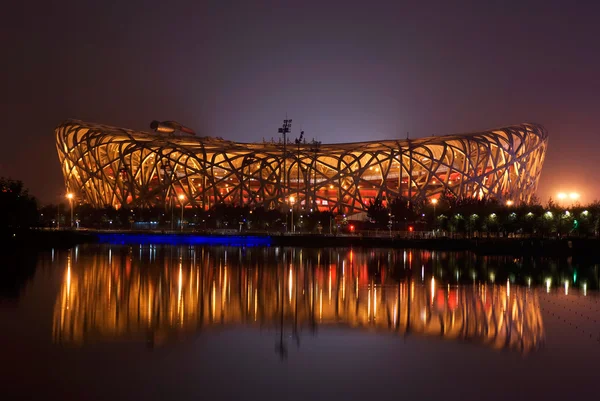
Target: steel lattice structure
[(105, 165)]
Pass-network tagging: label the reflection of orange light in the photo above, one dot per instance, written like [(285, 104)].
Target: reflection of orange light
[(441, 299), (351, 227), (410, 228), (452, 299)]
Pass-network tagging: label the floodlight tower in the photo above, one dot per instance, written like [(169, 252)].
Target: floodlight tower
[(284, 130)]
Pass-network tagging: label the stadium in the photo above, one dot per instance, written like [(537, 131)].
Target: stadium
[(110, 166)]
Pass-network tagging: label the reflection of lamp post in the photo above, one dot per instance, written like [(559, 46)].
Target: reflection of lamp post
[(292, 199), (181, 199), (434, 202), (281, 347), (70, 198)]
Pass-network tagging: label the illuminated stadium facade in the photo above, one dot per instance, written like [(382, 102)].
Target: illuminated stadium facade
[(109, 166)]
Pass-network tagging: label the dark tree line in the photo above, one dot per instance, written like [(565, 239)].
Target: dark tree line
[(221, 216), (481, 217), (18, 209), (457, 216)]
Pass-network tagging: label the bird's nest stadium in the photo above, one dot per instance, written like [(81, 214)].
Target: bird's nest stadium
[(110, 166)]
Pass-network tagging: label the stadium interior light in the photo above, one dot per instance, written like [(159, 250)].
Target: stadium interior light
[(574, 195), (561, 195)]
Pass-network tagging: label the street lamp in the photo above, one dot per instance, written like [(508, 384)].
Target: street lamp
[(434, 202), (572, 196), (292, 200), (70, 198), (181, 199), (509, 203)]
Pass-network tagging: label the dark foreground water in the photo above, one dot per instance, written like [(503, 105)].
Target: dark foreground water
[(110, 322)]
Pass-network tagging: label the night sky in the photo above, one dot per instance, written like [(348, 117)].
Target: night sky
[(344, 71)]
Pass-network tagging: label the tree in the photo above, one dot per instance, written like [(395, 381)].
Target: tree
[(17, 208), (404, 211), (377, 213)]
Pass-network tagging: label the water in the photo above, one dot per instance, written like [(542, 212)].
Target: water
[(106, 322)]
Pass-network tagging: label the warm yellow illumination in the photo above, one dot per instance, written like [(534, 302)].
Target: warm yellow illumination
[(235, 169), (290, 285), (561, 195), (509, 203), (181, 197), (69, 196), (434, 201), (141, 303), (574, 195), (292, 199)]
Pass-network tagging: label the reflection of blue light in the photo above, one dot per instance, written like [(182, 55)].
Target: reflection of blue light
[(175, 239)]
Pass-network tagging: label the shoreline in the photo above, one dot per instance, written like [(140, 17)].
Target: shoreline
[(567, 246)]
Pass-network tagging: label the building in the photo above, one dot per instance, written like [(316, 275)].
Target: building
[(109, 166)]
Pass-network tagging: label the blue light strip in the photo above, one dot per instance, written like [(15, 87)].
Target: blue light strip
[(175, 239)]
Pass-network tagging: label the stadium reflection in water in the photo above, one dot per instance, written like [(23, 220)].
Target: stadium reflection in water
[(158, 294)]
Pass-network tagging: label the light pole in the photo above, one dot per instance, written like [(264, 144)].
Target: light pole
[(285, 129), (292, 199), (172, 211), (434, 202), (181, 199), (70, 198), (298, 142)]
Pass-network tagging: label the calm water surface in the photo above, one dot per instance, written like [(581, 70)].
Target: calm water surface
[(107, 322)]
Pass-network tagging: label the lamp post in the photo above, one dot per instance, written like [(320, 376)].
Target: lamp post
[(298, 142), (284, 130), (434, 202), (70, 198), (181, 199), (292, 199)]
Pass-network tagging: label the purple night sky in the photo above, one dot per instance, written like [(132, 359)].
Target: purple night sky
[(343, 70)]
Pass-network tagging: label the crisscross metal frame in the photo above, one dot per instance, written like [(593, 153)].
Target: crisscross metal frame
[(110, 166)]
